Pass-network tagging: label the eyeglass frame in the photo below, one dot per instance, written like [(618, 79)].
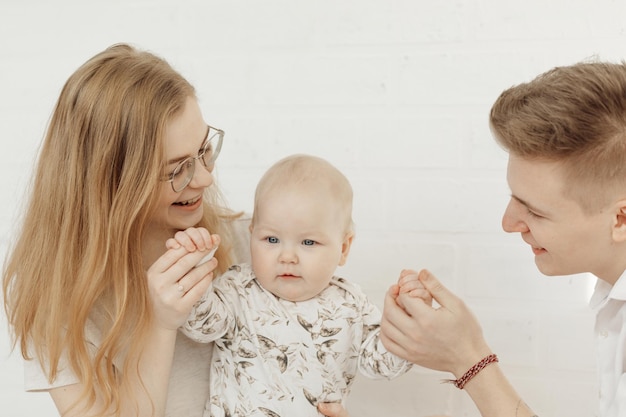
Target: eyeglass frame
[(192, 159)]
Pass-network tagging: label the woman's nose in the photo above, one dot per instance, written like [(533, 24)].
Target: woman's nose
[(202, 177)]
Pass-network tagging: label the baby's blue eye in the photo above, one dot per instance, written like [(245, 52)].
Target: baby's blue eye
[(272, 239), (308, 242)]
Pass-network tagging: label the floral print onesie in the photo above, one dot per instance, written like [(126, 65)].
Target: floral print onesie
[(273, 357)]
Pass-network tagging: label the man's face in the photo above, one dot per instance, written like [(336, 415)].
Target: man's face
[(564, 239)]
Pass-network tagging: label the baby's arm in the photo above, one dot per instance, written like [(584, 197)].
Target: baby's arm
[(410, 286)]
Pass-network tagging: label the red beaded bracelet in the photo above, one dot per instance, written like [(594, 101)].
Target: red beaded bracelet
[(471, 373)]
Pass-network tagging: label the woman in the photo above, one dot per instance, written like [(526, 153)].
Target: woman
[(91, 293)]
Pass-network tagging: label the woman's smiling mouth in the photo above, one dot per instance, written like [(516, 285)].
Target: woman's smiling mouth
[(188, 203)]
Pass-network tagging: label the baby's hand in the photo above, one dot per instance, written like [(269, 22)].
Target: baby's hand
[(194, 238), (410, 286)]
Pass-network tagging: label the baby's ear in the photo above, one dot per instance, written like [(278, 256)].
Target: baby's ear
[(619, 222), (345, 247)]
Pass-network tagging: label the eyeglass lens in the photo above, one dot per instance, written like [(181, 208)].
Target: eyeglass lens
[(183, 173)]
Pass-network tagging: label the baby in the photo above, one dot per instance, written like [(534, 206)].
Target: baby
[(288, 333)]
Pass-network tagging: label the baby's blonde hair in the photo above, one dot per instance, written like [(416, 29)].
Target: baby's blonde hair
[(309, 172)]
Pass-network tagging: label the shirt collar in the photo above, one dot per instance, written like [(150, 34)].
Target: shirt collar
[(605, 291)]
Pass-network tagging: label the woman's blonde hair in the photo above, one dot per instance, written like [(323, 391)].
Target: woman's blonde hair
[(95, 188)]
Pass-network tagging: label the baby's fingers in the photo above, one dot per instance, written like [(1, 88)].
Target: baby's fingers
[(200, 237), (408, 285), (193, 238), (171, 243), (215, 240), (406, 272), (423, 294)]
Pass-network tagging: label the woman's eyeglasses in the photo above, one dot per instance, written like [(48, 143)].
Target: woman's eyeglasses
[(183, 173)]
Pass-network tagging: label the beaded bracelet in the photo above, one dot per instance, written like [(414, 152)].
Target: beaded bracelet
[(471, 373)]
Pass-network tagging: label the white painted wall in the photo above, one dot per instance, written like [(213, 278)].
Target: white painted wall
[(395, 93)]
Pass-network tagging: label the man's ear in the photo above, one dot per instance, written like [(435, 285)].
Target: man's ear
[(619, 223), (345, 247)]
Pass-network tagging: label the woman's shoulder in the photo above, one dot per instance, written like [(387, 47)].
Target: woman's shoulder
[(241, 238), (36, 372)]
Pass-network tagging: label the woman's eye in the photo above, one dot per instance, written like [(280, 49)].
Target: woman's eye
[(308, 242), (272, 239), (182, 168), (176, 173)]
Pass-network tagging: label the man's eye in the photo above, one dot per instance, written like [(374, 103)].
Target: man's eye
[(532, 214), (308, 242), (272, 239)]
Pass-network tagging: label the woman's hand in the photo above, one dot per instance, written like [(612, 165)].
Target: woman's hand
[(448, 338), (175, 281)]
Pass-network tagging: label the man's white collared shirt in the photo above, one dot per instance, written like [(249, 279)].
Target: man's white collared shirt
[(610, 331)]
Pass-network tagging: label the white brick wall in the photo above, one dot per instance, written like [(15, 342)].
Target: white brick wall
[(396, 94)]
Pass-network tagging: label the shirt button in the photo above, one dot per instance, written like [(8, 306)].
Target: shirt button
[(603, 334)]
